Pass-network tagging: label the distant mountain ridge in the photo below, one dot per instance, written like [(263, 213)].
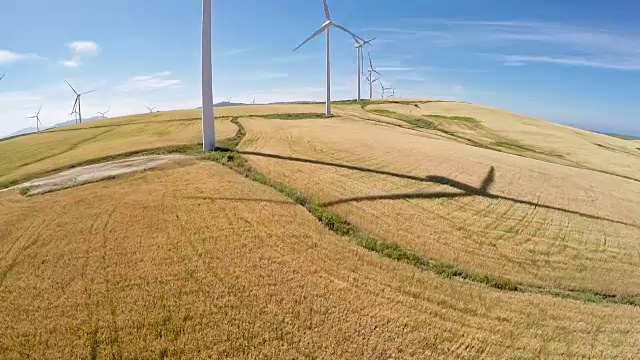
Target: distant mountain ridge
[(31, 130), (620, 136)]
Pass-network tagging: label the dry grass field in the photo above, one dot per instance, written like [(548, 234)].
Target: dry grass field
[(198, 262), (27, 156), (542, 224), (533, 138)]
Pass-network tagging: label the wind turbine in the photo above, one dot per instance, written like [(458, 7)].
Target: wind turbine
[(208, 126), (74, 113), (37, 117), (371, 79), (384, 89), (150, 109), (326, 27), (77, 103), (393, 91), (104, 114), (370, 82), (359, 45)]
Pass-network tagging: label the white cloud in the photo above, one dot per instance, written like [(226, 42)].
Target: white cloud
[(235, 52), (79, 50), (8, 56), (547, 42), (83, 47), (521, 60), (157, 81), (74, 62)]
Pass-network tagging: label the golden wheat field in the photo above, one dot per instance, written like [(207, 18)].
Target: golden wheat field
[(551, 225), (220, 267), (535, 138), (26, 156), (196, 260)]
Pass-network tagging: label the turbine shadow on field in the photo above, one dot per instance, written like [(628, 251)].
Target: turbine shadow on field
[(467, 190)]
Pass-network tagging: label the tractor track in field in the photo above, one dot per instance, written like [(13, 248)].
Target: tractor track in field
[(19, 253), (405, 254), (107, 295)]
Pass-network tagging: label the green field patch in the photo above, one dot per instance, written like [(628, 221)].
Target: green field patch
[(293, 116), (513, 145), (417, 121)]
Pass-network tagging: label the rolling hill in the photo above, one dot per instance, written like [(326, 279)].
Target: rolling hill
[(404, 229)]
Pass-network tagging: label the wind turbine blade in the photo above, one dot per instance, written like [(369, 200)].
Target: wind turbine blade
[(38, 113), (376, 71), (347, 31), (322, 28), (88, 92), (2, 77), (370, 63), (74, 90), (327, 14), (368, 42)]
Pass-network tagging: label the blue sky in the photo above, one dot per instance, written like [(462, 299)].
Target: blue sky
[(571, 62)]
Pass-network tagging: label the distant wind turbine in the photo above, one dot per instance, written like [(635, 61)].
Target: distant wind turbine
[(371, 79), (78, 101), (384, 89), (393, 91), (104, 114), (326, 27), (208, 126), (37, 117), (359, 45), (150, 109)]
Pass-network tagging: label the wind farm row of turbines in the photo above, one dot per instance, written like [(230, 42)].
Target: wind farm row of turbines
[(208, 127), (373, 75), (76, 111)]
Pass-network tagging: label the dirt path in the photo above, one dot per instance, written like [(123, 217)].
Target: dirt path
[(94, 173)]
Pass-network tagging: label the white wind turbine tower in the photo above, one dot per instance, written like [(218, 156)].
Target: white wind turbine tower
[(359, 45), (393, 91), (326, 27), (150, 109), (78, 100), (371, 79), (37, 117), (208, 126)]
